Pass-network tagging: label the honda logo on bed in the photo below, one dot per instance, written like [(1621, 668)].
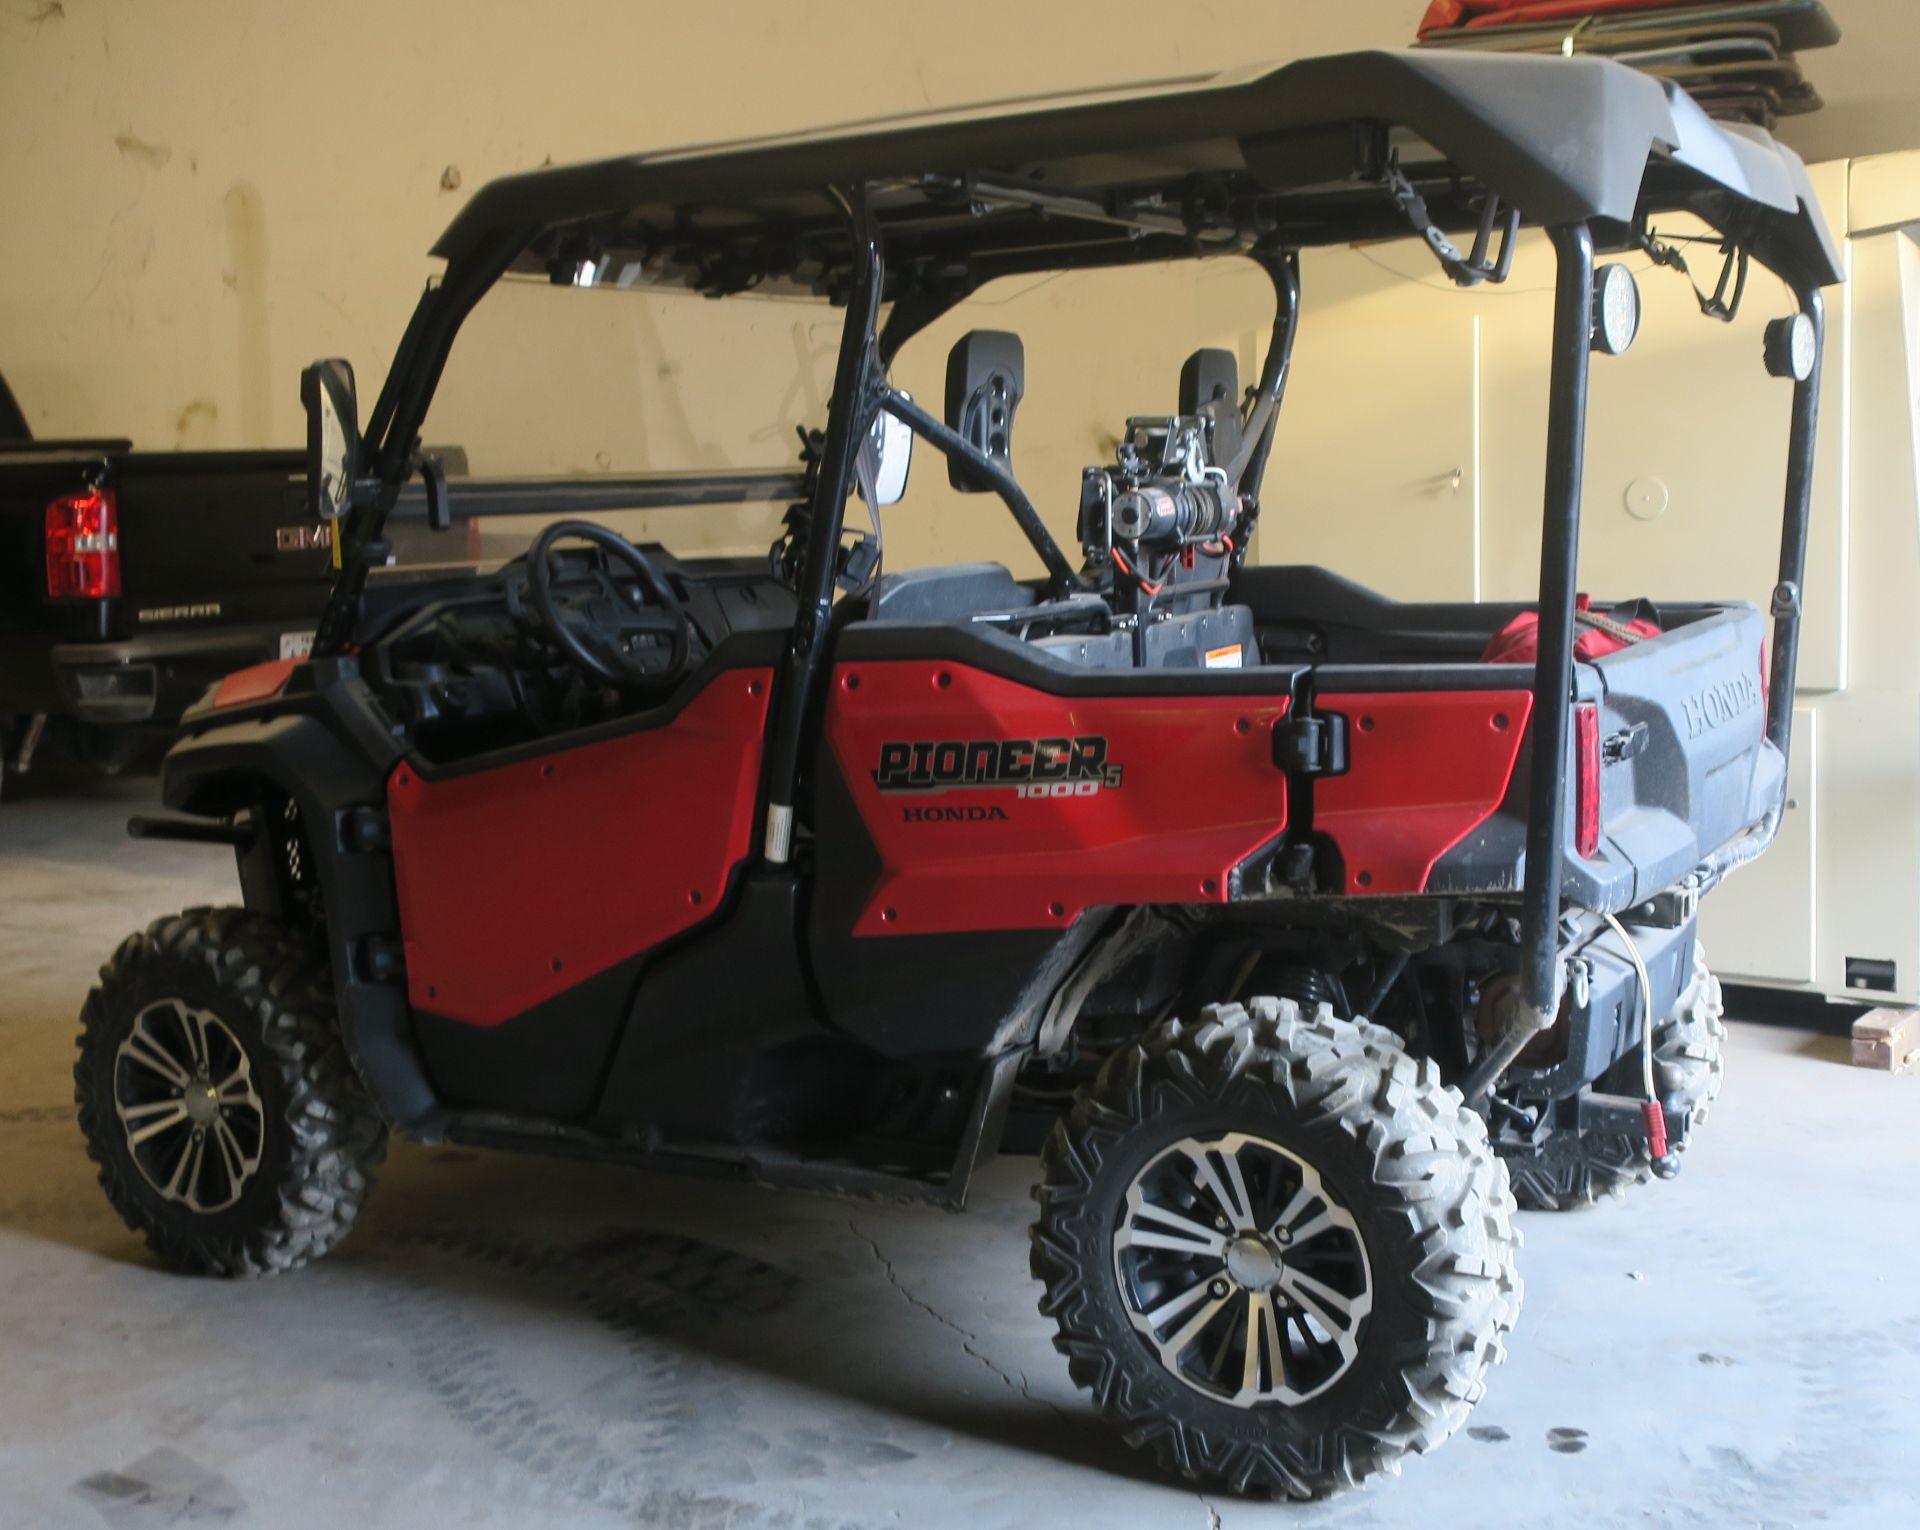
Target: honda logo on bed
[(1033, 767), (1720, 703)]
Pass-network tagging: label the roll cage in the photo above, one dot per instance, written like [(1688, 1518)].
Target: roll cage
[(913, 215)]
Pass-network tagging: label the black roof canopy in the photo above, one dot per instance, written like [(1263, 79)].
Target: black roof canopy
[(1288, 155)]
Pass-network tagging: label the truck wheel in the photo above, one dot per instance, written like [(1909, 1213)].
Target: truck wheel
[(217, 1098), (1279, 1251), (1573, 1169)]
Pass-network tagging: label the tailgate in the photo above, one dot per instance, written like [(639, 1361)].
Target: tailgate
[(211, 539), (1686, 767)]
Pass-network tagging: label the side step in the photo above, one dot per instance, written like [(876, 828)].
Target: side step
[(766, 1164)]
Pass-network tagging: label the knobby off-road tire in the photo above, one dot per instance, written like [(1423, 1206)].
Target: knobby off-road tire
[(276, 1094), (1385, 1140), (1573, 1170)]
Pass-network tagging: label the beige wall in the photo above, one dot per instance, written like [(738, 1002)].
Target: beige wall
[(202, 195)]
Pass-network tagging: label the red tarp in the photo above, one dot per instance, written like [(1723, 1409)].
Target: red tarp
[(1519, 641), (1497, 13)]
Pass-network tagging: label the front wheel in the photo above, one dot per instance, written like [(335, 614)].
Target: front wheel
[(217, 1098), (1279, 1252)]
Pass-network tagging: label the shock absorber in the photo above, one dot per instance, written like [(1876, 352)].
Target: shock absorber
[(1309, 987)]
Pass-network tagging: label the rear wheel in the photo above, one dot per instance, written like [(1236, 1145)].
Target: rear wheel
[(217, 1099), (1575, 1169), (1278, 1250)]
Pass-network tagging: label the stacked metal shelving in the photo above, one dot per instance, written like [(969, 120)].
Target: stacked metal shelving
[(1738, 58)]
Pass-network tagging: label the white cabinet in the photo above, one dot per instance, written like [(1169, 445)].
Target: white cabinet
[(1761, 919)]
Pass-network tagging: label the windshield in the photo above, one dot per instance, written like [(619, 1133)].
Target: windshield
[(549, 382), (597, 385)]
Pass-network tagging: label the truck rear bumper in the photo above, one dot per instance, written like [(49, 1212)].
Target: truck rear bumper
[(152, 680)]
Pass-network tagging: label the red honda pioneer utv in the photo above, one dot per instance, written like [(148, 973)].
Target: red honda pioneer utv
[(1335, 932)]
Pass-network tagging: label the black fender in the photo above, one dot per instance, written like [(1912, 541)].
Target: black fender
[(321, 745)]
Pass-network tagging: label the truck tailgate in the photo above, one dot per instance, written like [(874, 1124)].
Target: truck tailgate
[(215, 538)]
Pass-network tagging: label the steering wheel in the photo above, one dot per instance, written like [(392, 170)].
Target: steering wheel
[(597, 629)]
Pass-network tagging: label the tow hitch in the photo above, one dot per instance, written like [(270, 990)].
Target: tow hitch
[(1623, 1116)]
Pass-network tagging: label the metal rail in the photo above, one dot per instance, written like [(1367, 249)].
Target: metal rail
[(482, 498)]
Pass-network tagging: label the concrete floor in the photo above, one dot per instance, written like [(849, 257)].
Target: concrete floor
[(523, 1343)]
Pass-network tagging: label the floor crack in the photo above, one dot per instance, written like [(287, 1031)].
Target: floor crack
[(969, 1341), (1213, 1514)]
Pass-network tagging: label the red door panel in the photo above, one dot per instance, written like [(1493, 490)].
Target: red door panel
[(1424, 769), (995, 806), (518, 882)]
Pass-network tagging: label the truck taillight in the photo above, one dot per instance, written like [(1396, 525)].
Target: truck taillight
[(83, 546), (1586, 797)]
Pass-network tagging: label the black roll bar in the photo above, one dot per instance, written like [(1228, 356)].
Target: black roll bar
[(1788, 594), (847, 421), (1553, 668), (1283, 270), (1782, 678), (393, 428), (939, 435)]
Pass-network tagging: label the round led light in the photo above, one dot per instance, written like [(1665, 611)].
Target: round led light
[(1803, 347), (1616, 309), (1792, 347)]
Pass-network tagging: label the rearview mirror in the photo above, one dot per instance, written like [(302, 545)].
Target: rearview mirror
[(886, 457), (333, 437)]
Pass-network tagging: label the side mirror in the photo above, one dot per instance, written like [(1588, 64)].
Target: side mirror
[(1210, 376), (885, 458), (986, 378), (333, 437), (1210, 389)]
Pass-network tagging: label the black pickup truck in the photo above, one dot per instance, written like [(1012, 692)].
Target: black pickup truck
[(132, 580)]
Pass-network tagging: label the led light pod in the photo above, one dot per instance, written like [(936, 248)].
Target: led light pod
[(1616, 309), (1792, 347)]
